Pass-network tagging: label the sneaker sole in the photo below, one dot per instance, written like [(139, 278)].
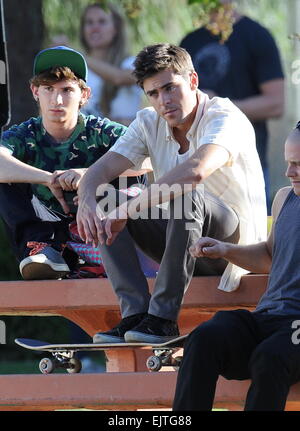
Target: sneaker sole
[(140, 337), (102, 338), (42, 269)]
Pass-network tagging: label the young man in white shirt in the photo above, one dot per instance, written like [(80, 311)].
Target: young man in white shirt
[(205, 162)]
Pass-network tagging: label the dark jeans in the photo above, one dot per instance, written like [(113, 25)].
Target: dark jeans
[(22, 224), (239, 345)]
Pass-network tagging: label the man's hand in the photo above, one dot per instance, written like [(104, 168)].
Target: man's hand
[(114, 223), (69, 179), (89, 224), (94, 227), (61, 181), (208, 247), (58, 193)]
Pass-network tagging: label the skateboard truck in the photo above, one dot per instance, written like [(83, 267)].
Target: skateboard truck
[(162, 358), (65, 360)]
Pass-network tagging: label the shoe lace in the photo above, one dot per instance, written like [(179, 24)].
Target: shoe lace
[(36, 247)]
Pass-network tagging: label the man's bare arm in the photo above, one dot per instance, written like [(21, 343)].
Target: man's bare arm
[(111, 73), (13, 170), (102, 172), (186, 176), (268, 104), (256, 258)]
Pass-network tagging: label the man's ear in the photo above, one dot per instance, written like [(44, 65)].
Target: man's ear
[(85, 95), (34, 91), (194, 80)]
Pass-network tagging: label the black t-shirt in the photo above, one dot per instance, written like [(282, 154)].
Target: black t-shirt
[(238, 67)]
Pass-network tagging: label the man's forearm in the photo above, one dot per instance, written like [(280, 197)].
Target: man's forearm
[(90, 181), (254, 258), (13, 170), (103, 171), (256, 108), (156, 194), (181, 179), (110, 72), (269, 103)]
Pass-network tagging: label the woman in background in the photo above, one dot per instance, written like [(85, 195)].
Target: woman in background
[(114, 92)]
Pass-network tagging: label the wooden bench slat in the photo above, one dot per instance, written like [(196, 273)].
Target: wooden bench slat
[(50, 295), (109, 391)]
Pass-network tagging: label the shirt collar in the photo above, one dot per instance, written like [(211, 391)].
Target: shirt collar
[(202, 99)]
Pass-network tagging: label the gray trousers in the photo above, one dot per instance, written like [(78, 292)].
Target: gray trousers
[(166, 236)]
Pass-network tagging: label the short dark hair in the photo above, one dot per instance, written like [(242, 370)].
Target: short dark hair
[(56, 74), (156, 58)]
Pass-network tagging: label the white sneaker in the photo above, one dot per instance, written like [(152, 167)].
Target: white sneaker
[(43, 263)]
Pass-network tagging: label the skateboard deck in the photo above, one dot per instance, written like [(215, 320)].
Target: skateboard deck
[(64, 354)]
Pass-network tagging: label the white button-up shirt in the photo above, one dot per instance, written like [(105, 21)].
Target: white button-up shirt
[(239, 183)]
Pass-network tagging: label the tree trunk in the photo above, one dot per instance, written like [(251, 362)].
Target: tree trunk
[(24, 34)]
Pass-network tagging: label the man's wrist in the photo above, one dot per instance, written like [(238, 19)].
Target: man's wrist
[(228, 249), (46, 178)]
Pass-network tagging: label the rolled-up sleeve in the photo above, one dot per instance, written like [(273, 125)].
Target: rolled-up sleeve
[(226, 130), (132, 145)]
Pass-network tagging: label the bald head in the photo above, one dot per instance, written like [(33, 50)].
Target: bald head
[(292, 157)]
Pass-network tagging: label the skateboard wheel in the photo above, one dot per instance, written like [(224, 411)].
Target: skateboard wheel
[(46, 366), (154, 363), (75, 366)]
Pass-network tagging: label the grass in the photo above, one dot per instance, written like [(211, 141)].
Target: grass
[(31, 366), (19, 367), (23, 367)]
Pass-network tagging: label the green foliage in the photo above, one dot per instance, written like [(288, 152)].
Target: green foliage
[(149, 21), (160, 22), (62, 20), (52, 329), (210, 4), (152, 21)]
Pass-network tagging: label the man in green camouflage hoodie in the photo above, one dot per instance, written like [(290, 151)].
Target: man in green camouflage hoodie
[(43, 159)]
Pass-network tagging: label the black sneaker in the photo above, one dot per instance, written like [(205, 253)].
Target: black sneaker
[(43, 263), (154, 330), (116, 335)]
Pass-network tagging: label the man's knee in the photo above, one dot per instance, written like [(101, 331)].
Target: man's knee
[(207, 335)]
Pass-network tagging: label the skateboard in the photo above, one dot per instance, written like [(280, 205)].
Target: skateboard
[(64, 354)]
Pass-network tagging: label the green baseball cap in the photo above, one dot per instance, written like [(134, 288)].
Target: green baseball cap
[(61, 56)]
